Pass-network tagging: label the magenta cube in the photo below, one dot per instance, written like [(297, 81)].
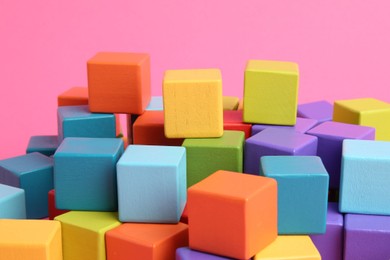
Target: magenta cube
[(302, 126), (275, 141), (320, 110), (330, 141), (330, 244), (366, 237)]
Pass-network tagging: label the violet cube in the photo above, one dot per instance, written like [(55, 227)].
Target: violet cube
[(274, 141), (330, 244), (366, 237), (330, 142), (320, 110), (302, 125), (185, 253)]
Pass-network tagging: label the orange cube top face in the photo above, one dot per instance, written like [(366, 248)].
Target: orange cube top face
[(76, 96), (232, 214), (119, 82)]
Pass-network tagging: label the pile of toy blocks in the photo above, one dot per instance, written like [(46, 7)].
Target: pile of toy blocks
[(199, 175)]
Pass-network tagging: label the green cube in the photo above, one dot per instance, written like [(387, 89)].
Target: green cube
[(208, 155)]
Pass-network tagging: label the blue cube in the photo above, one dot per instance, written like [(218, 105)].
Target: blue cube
[(44, 144), (365, 177), (12, 202), (32, 172), (152, 184), (85, 173), (302, 192), (77, 121)]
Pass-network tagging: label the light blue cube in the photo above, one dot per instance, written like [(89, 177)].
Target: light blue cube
[(32, 172), (152, 184), (155, 104), (365, 177), (302, 192), (85, 173), (12, 202), (77, 121)]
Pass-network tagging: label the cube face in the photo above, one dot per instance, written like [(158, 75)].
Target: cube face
[(12, 203), (193, 103), (30, 240), (367, 112), (152, 191), (77, 121), (302, 192), (146, 241), (226, 153), (75, 96), (185, 253), (366, 237), (85, 173), (302, 125), (230, 103), (322, 111), (155, 104), (119, 82), (232, 220), (364, 171), (83, 233), (232, 120), (44, 144), (270, 92)]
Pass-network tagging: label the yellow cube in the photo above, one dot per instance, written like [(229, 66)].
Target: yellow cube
[(290, 247), (193, 103), (30, 240), (230, 103), (366, 112), (270, 92), (83, 233)]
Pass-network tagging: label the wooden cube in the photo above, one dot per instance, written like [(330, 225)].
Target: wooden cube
[(76, 96), (44, 144), (12, 202)]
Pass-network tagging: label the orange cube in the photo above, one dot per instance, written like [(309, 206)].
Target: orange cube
[(145, 241), (232, 214), (119, 82), (76, 96)]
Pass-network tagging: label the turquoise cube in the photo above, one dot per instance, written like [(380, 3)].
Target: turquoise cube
[(44, 144), (152, 185), (85, 173), (365, 177), (302, 192), (77, 121), (12, 202), (32, 172)]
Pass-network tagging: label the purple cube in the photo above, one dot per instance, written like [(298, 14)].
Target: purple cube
[(319, 110), (275, 141), (184, 253), (330, 141), (366, 237), (302, 125), (330, 244)]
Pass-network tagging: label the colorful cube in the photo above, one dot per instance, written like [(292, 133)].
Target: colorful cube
[(365, 178), (119, 82), (366, 237), (330, 244), (270, 92), (83, 233), (302, 192), (232, 120), (208, 155), (77, 121), (146, 241), (193, 103), (30, 240), (230, 103), (85, 173), (302, 125), (32, 172), (290, 247), (152, 185), (330, 142), (232, 214), (273, 141), (76, 96), (322, 111), (12, 202), (53, 211), (44, 144), (185, 253), (367, 112)]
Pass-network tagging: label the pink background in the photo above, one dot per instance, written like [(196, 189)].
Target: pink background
[(342, 47)]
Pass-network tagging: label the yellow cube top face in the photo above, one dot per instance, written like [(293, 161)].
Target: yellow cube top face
[(90, 220), (364, 105), (272, 66), (196, 75)]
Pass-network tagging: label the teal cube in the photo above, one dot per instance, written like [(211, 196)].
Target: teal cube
[(302, 192), (365, 177), (152, 186), (208, 155), (32, 172), (77, 121), (44, 144), (85, 173), (12, 203)]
